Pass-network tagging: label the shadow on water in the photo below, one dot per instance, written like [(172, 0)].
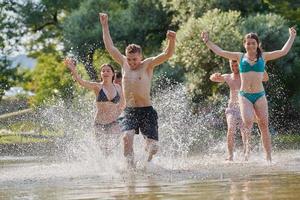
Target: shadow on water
[(190, 163)]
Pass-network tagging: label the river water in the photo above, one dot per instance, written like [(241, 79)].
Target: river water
[(190, 164), (196, 177)]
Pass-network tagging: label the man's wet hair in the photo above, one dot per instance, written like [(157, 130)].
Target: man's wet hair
[(118, 75), (133, 48)]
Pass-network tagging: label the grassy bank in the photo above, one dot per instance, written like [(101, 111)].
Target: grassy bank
[(13, 104), (286, 141), (20, 139), (22, 127)]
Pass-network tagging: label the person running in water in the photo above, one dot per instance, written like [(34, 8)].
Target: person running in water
[(139, 114), (109, 104), (252, 98), (232, 112)]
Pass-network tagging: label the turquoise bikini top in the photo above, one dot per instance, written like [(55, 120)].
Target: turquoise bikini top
[(244, 66)]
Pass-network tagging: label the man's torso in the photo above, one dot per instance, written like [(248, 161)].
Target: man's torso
[(234, 84), (136, 85)]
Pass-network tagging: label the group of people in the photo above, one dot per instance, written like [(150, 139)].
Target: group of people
[(251, 95), (126, 106), (232, 112)]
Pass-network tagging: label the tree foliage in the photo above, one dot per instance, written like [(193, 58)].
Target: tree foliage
[(194, 56), (50, 80), (182, 10), (288, 9), (83, 34), (7, 75), (39, 21)]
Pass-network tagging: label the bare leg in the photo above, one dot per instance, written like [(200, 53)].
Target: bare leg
[(151, 148), (261, 109), (102, 139), (231, 129), (243, 133), (128, 147), (247, 114)]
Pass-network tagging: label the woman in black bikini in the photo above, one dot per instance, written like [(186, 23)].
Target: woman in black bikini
[(109, 98)]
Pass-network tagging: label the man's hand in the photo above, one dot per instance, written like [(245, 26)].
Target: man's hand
[(70, 63), (103, 17), (216, 76), (171, 35), (293, 31)]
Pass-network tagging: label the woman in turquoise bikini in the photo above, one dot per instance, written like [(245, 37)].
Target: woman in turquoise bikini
[(252, 98)]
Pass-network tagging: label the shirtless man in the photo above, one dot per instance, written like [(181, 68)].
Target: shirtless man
[(138, 115), (233, 115)]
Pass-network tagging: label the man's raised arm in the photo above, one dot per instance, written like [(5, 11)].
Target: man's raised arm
[(168, 52), (109, 45)]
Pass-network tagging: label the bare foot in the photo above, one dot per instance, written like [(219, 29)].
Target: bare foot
[(229, 158), (150, 157), (246, 157), (244, 149), (151, 151), (247, 153), (269, 159), (130, 163)]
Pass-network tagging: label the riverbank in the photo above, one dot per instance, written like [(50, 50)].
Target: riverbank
[(29, 149)]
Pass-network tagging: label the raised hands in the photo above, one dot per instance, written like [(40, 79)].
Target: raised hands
[(205, 36), (103, 17), (171, 35), (217, 77), (293, 31), (70, 63)]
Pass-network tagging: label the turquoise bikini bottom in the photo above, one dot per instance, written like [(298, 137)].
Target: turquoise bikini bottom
[(252, 97)]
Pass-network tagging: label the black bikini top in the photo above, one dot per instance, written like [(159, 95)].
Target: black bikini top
[(103, 98)]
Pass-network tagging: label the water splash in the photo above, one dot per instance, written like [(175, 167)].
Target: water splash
[(182, 131), (191, 144)]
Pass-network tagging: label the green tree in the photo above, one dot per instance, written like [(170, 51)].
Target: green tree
[(25, 78), (7, 75), (50, 80), (82, 33), (8, 28), (288, 9), (182, 10), (134, 21), (196, 58), (244, 7), (42, 19)]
